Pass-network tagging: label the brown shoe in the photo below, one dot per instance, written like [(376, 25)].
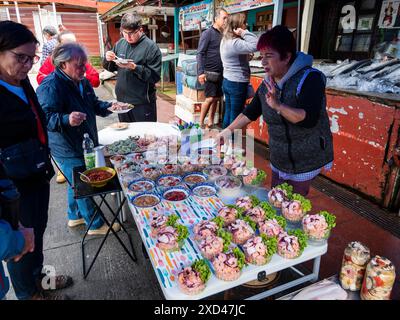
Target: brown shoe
[(61, 282)]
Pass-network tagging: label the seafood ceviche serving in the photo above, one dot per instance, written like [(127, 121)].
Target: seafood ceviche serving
[(317, 227), (279, 194), (228, 266), (295, 209), (291, 244), (169, 180), (241, 231), (229, 214), (171, 238), (161, 220), (192, 280), (259, 250)]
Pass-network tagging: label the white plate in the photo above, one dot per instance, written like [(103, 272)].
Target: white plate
[(119, 126), (119, 111)]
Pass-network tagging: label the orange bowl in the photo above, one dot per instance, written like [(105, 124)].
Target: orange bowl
[(98, 183)]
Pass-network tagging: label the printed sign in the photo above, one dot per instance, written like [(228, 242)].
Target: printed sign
[(233, 6), (390, 15), (202, 12)]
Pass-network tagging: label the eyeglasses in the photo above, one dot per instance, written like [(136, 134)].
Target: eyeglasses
[(130, 34), (24, 58)]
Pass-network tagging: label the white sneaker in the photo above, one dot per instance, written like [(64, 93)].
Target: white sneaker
[(103, 229), (75, 223)]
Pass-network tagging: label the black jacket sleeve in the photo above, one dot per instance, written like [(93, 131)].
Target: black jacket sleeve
[(310, 99), (254, 109), (202, 51), (151, 71), (110, 65)]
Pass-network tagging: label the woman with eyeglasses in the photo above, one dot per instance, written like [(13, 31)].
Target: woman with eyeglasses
[(236, 46), (24, 155)]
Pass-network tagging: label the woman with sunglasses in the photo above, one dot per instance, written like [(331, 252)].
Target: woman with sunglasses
[(24, 155)]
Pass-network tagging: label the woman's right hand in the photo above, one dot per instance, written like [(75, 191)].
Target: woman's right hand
[(110, 56), (224, 136), (239, 32), (76, 118), (202, 78)]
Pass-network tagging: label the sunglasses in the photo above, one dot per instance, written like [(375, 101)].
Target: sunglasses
[(24, 58)]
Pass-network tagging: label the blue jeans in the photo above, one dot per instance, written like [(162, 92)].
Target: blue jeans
[(34, 204), (78, 208), (235, 99)]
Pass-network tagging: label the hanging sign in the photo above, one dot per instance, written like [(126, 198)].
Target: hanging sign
[(390, 15), (233, 6), (190, 16)]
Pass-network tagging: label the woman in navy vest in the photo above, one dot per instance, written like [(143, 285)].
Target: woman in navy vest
[(292, 101)]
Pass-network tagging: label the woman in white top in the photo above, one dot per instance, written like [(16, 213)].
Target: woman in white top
[(236, 46)]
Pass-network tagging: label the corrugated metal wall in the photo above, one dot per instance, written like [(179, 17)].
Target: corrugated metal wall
[(83, 24)]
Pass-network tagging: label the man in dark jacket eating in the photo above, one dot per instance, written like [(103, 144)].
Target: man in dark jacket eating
[(138, 61)]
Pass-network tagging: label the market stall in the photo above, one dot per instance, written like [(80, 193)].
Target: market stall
[(197, 214)]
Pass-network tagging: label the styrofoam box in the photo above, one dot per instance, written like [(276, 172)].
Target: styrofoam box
[(188, 116), (188, 104)]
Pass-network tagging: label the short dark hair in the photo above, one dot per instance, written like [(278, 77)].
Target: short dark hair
[(281, 39), (131, 21), (13, 35), (50, 30)]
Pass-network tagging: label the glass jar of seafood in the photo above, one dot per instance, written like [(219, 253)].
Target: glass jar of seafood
[(379, 279), (355, 259)]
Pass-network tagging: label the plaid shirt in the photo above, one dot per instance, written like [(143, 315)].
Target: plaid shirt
[(300, 177), (47, 49)]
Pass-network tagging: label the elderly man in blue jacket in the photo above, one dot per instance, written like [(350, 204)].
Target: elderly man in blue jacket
[(70, 104)]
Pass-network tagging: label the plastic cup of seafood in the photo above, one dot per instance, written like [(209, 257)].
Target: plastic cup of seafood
[(293, 213), (204, 190), (228, 185), (127, 178), (316, 230), (192, 178), (210, 246), (145, 200), (256, 252), (187, 274), (222, 270), (176, 194), (213, 172), (151, 172), (170, 168), (117, 159)]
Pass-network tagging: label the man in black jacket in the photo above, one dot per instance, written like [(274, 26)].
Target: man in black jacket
[(138, 61), (209, 61)]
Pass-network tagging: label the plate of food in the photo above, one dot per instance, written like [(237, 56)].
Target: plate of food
[(121, 107), (122, 60), (145, 200), (176, 194), (168, 180), (141, 185), (193, 178), (119, 125)]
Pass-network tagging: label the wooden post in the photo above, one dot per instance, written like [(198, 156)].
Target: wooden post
[(278, 11), (17, 12), (308, 14)]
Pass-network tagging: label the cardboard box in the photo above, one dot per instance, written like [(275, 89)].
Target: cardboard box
[(188, 104), (195, 95)]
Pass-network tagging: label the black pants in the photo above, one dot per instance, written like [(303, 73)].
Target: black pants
[(140, 113), (34, 204)]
